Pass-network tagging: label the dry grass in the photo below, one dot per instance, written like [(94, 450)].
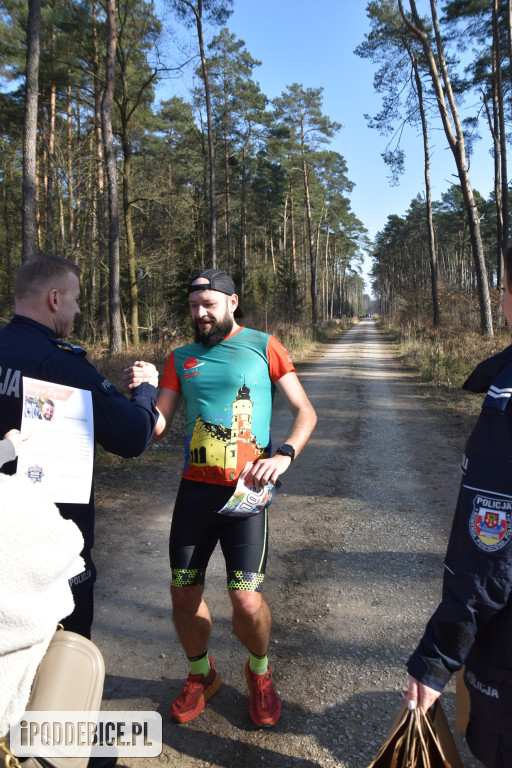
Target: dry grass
[(440, 360), (445, 357), (300, 339)]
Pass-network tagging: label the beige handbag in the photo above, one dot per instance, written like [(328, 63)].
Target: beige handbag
[(69, 678)]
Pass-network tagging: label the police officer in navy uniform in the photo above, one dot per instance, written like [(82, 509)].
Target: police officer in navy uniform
[(472, 625), (46, 303)]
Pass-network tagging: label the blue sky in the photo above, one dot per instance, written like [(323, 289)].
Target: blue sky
[(312, 43)]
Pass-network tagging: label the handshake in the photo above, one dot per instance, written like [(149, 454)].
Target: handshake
[(139, 373)]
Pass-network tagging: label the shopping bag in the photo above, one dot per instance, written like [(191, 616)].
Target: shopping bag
[(462, 702), (416, 740), (440, 732)]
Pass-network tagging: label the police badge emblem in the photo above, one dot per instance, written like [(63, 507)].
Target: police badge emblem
[(35, 473), (490, 524)]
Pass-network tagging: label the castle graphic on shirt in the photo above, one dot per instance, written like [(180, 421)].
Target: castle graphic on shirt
[(219, 452)]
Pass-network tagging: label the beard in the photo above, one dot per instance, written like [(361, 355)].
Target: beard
[(216, 333)]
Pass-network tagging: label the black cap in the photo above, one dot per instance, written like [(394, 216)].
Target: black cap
[(217, 281)]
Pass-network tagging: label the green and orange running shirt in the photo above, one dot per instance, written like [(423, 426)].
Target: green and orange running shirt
[(228, 391)]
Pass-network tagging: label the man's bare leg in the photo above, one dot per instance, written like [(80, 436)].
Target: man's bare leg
[(193, 624), (251, 623), (191, 618), (251, 620)]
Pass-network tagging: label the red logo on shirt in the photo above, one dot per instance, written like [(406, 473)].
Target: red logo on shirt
[(191, 362)]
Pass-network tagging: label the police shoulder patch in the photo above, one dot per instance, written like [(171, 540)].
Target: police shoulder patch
[(76, 350), (490, 523)]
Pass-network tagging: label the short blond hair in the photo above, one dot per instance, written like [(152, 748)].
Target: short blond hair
[(40, 271)]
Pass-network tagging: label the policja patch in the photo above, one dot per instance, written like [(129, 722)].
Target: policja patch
[(490, 524)]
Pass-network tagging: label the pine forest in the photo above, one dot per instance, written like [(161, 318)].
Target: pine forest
[(142, 193)]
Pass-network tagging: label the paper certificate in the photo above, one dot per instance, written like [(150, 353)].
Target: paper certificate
[(58, 456), (246, 500)]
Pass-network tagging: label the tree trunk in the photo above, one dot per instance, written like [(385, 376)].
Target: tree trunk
[(509, 35), (28, 228), (326, 276), (211, 144), (7, 222), (428, 195), (492, 119), (448, 111), (69, 153), (229, 243), (39, 237), (312, 250), (100, 223), (77, 175), (243, 225), (503, 142), (113, 201), (50, 171), (130, 243), (293, 262), (272, 255), (62, 224)]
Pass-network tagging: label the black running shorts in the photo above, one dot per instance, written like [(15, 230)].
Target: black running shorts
[(197, 527)]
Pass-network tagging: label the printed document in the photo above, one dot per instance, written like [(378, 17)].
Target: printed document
[(58, 456)]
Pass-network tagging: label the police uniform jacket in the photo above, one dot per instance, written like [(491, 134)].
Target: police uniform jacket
[(121, 426), (475, 613)]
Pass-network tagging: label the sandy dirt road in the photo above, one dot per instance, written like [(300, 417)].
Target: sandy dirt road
[(357, 535)]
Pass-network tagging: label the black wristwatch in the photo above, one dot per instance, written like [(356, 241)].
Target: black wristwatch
[(287, 450)]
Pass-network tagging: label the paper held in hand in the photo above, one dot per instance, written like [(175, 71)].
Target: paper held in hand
[(58, 456), (247, 500)]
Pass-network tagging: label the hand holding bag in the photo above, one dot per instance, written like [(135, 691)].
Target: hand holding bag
[(418, 740)]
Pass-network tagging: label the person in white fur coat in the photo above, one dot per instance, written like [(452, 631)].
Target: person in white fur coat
[(39, 552)]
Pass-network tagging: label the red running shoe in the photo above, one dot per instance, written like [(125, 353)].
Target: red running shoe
[(264, 703), (194, 695)]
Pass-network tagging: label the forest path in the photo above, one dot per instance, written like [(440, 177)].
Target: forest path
[(357, 536)]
